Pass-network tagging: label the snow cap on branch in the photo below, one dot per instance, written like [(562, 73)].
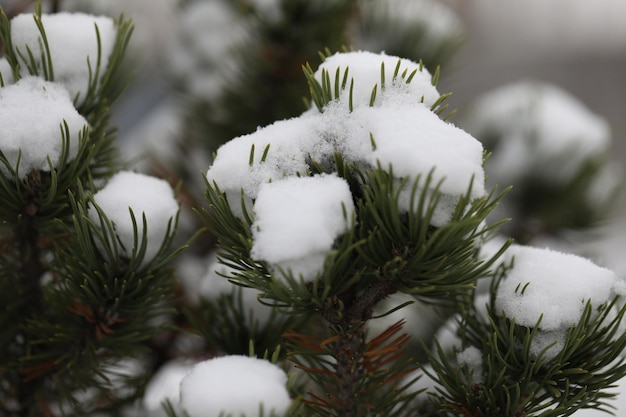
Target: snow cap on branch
[(145, 196), (364, 68), (234, 385), (73, 44), (399, 131), (32, 112), (297, 221), (234, 169), (537, 130), (555, 287)]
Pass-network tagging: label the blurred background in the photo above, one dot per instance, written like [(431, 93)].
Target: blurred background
[(577, 44)]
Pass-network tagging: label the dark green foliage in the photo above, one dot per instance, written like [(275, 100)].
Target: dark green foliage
[(73, 306), (513, 382)]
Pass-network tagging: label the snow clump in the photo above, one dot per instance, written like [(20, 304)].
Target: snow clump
[(297, 221), (537, 130), (471, 359), (73, 43), (144, 196), (527, 293), (364, 68), (32, 112), (165, 385), (234, 385)]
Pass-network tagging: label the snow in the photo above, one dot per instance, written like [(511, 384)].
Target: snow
[(234, 385), (293, 232), (72, 42), (472, 359), (297, 221), (286, 157), (364, 68), (5, 71), (31, 114), (414, 141), (528, 291), (144, 195), (165, 385), (543, 131)]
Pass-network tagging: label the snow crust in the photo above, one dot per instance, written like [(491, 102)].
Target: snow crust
[(528, 292), (234, 385), (73, 44), (144, 195), (543, 131), (32, 112), (298, 220)]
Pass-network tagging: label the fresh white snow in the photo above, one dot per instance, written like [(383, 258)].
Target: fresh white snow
[(165, 385), (544, 132), (554, 287), (364, 68), (144, 195), (234, 385), (32, 112), (297, 217), (297, 221), (73, 44)]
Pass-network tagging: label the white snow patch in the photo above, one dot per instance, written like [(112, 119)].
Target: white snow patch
[(235, 385), (364, 68), (406, 135), (73, 42), (165, 385), (555, 287), (414, 141), (298, 220), (144, 195), (233, 171), (6, 71), (31, 114), (543, 131), (472, 358)]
